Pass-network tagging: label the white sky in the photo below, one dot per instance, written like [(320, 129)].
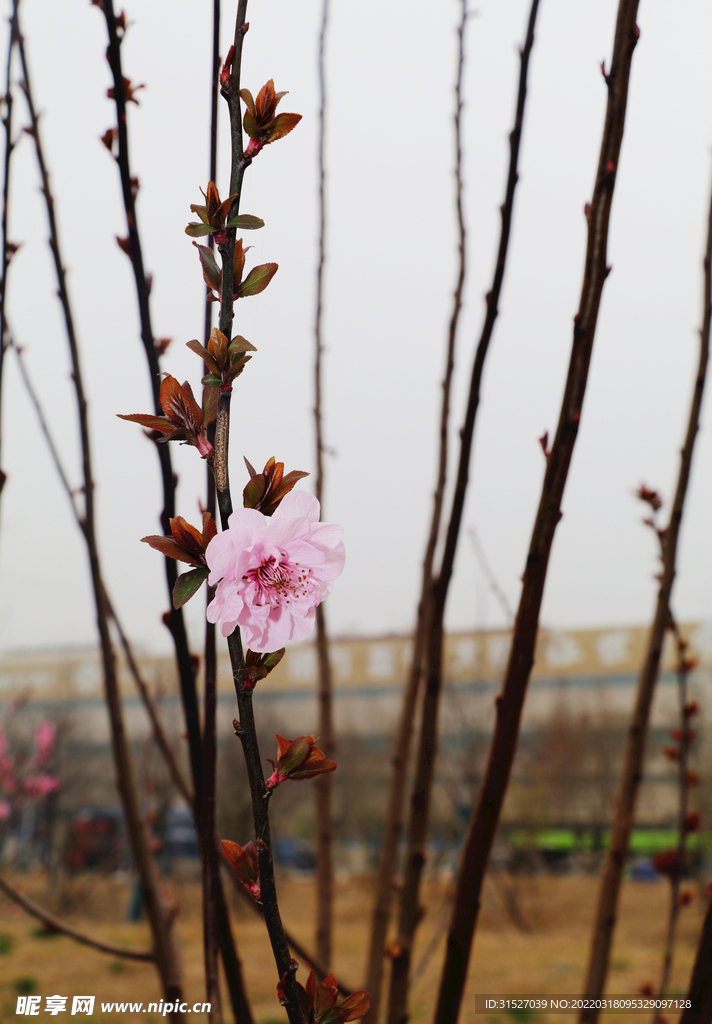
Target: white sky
[(390, 276)]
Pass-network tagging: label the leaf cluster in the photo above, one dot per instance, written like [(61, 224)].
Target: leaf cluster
[(261, 121), (255, 282), (265, 490), (215, 217), (225, 360), (187, 544), (183, 418), (319, 1002)]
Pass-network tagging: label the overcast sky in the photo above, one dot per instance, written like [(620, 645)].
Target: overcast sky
[(391, 67)]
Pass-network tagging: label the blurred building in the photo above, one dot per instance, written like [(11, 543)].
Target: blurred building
[(578, 676)]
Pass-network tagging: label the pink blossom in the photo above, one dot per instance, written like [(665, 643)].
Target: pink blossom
[(45, 734), (5, 810), (40, 785), (273, 572)]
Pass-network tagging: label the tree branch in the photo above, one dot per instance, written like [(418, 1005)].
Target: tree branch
[(246, 731), (6, 250), (149, 704), (165, 955), (323, 784), (638, 728), (521, 657), (175, 620), (393, 821), (56, 924)]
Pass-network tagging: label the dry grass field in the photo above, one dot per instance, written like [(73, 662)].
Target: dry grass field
[(548, 957)]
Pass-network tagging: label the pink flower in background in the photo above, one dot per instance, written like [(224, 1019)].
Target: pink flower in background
[(40, 785), (5, 810), (45, 735), (273, 572)]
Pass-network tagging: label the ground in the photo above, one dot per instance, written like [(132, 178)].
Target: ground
[(548, 958)]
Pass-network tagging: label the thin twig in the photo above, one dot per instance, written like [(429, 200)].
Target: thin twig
[(297, 947), (56, 924), (206, 819), (166, 958), (489, 575), (6, 250), (149, 704), (638, 729), (176, 623), (44, 425), (521, 657), (286, 967), (393, 821), (186, 673), (437, 597), (323, 784), (683, 787)]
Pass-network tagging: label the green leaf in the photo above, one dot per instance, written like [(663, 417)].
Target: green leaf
[(202, 212), (239, 345), (187, 584), (253, 491), (211, 271), (295, 754), (212, 380), (250, 469), (196, 230), (250, 126), (245, 222), (270, 661), (257, 279)]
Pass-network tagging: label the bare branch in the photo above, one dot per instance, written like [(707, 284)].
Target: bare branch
[(56, 924), (323, 784), (393, 822), (436, 596), (166, 958), (638, 728), (6, 248), (521, 657), (149, 704)]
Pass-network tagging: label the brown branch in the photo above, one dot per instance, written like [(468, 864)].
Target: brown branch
[(6, 251), (286, 967), (216, 917), (509, 704), (56, 924), (165, 953), (683, 788), (638, 728), (323, 784), (159, 733), (176, 623), (206, 818), (437, 597), (393, 822), (149, 704), (297, 947), (263, 840)]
